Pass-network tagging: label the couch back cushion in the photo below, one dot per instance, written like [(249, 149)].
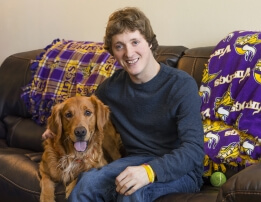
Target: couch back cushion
[(72, 68), (14, 74), (170, 55), (194, 60)]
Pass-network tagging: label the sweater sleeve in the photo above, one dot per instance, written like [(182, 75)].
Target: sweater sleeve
[(187, 157)]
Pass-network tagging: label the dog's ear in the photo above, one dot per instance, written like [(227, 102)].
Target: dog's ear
[(54, 123), (102, 112)]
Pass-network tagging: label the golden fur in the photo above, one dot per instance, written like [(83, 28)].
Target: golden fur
[(75, 123)]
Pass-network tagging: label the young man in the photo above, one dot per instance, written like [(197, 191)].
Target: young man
[(156, 109)]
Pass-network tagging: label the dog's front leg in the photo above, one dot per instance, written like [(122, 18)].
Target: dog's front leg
[(69, 188), (47, 189)]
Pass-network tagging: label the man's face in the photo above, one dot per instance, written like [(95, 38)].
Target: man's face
[(133, 52)]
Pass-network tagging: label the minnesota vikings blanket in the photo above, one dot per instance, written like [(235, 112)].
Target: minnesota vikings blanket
[(231, 102), (66, 68)]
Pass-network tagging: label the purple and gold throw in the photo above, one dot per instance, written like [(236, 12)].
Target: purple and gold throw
[(231, 102), (66, 68)]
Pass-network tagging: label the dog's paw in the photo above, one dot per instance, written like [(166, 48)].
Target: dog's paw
[(46, 199), (69, 188)]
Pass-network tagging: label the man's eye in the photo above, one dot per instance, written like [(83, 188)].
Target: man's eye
[(87, 113), (135, 42), (119, 47), (68, 114)]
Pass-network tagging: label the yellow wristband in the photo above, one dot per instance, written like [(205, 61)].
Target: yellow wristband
[(150, 172)]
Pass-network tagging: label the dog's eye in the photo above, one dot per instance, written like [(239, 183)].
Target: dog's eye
[(68, 115), (87, 113)]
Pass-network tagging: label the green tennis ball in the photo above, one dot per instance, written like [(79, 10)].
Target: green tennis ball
[(217, 179)]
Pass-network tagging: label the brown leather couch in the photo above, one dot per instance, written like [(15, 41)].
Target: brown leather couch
[(21, 145)]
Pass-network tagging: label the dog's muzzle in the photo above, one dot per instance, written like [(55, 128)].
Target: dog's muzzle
[(80, 145)]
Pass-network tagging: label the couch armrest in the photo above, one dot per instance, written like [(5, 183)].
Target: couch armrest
[(23, 133), (243, 186)]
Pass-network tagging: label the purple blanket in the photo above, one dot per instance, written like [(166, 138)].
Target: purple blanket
[(66, 69), (231, 102)]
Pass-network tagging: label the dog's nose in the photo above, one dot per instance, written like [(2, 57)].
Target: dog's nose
[(80, 131)]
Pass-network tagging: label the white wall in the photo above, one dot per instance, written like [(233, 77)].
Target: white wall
[(32, 24)]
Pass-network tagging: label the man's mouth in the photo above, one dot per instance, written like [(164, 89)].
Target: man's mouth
[(132, 61), (80, 146)]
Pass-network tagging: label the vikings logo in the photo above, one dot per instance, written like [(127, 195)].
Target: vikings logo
[(257, 71), (211, 130), (245, 45), (248, 147), (228, 153), (205, 91), (223, 105)]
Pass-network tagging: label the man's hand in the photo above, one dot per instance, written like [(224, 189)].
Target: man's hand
[(131, 179), (47, 134)]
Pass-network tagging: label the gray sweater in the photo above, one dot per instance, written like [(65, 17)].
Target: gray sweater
[(159, 118)]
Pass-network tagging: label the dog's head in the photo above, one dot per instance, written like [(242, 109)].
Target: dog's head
[(77, 120)]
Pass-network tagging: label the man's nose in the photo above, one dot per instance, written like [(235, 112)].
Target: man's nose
[(129, 51)]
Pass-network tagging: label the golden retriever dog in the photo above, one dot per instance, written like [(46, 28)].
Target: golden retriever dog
[(84, 138)]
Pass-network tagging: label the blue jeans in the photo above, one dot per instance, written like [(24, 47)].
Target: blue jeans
[(98, 185)]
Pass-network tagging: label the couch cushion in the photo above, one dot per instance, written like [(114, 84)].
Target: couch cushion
[(3, 143), (243, 186), (206, 194), (19, 176), (2, 130)]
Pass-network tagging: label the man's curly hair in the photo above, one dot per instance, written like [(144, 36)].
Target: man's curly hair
[(129, 19)]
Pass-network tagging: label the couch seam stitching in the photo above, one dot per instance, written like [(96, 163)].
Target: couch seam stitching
[(193, 66), (21, 58), (24, 189), (190, 56), (18, 186), (13, 130), (242, 192)]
